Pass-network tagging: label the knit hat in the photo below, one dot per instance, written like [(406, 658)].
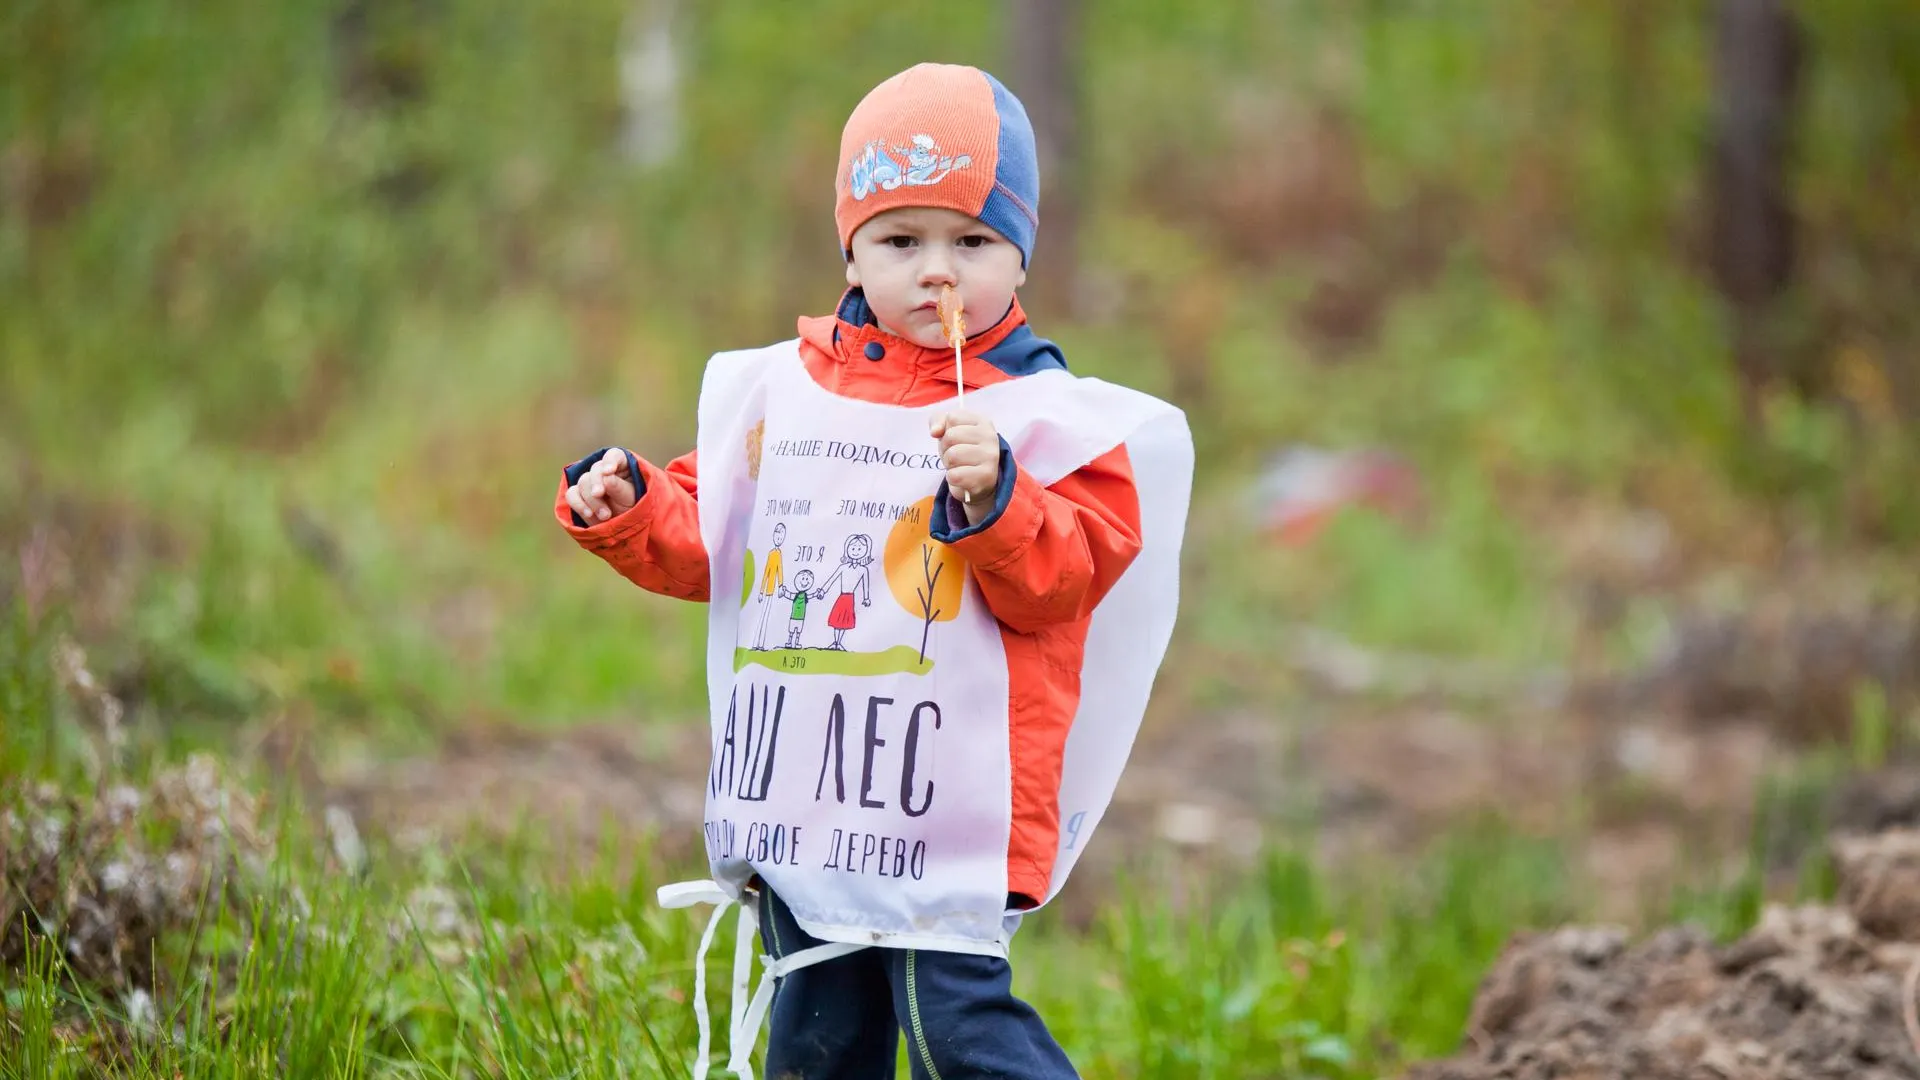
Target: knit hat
[(940, 135)]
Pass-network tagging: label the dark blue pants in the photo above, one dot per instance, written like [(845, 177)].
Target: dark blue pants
[(842, 1019)]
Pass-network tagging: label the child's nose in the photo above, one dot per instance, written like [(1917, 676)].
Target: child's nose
[(936, 268)]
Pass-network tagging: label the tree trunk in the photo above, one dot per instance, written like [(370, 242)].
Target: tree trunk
[(1756, 78), (1043, 38), (652, 66)]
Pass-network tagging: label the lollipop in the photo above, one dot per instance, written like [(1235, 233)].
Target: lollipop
[(953, 319)]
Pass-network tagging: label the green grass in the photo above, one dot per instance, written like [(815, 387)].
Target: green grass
[(900, 659), (495, 966), (1286, 971), (493, 959)]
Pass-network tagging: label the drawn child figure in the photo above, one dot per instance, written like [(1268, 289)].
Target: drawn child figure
[(854, 577), (773, 581), (801, 593)]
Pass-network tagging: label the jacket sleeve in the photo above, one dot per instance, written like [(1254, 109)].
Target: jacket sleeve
[(656, 544), (1047, 555)]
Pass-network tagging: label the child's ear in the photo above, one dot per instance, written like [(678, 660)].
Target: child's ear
[(1023, 278), (853, 274)]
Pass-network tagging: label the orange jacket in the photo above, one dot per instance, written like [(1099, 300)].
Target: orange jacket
[(1044, 558)]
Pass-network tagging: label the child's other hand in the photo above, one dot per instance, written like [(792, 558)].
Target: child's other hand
[(604, 491), (970, 449)]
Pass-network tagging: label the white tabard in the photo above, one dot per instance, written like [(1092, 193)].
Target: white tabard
[(857, 681)]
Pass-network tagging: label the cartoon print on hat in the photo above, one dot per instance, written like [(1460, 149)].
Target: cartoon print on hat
[(875, 169)]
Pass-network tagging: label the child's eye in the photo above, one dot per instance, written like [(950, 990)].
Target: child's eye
[(975, 241), (900, 242)]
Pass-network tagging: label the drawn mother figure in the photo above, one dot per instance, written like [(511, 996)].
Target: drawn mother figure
[(854, 577)]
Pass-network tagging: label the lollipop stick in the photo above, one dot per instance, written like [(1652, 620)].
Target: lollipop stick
[(960, 394), (959, 378), (953, 321)]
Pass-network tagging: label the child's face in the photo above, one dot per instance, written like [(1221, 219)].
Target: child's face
[(902, 258), (804, 580)]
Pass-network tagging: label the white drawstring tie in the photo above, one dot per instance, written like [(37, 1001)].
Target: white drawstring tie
[(745, 1014)]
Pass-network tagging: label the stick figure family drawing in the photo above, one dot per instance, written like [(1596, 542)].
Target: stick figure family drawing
[(853, 578)]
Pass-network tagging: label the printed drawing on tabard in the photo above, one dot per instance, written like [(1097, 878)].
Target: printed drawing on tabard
[(855, 579), (801, 592), (773, 583), (923, 576)]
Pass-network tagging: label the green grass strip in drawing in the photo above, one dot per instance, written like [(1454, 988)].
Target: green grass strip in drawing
[(900, 658)]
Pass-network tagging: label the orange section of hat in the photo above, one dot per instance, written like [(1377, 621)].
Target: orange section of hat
[(928, 136)]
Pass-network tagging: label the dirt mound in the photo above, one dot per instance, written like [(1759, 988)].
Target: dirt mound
[(1811, 993)]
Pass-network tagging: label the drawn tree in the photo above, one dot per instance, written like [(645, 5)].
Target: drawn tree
[(925, 576)]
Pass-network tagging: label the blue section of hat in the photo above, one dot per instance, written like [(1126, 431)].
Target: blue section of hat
[(1013, 206)]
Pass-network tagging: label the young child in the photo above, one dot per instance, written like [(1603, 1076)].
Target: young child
[(892, 810)]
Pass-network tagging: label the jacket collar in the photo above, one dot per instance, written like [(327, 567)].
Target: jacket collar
[(852, 335)]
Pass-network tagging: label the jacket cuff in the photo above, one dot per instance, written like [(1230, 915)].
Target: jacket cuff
[(950, 524), (1009, 531), (579, 469)]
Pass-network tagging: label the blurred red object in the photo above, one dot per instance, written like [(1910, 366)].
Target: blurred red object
[(1302, 488)]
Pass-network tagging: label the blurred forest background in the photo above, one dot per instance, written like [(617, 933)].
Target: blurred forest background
[(1554, 369)]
